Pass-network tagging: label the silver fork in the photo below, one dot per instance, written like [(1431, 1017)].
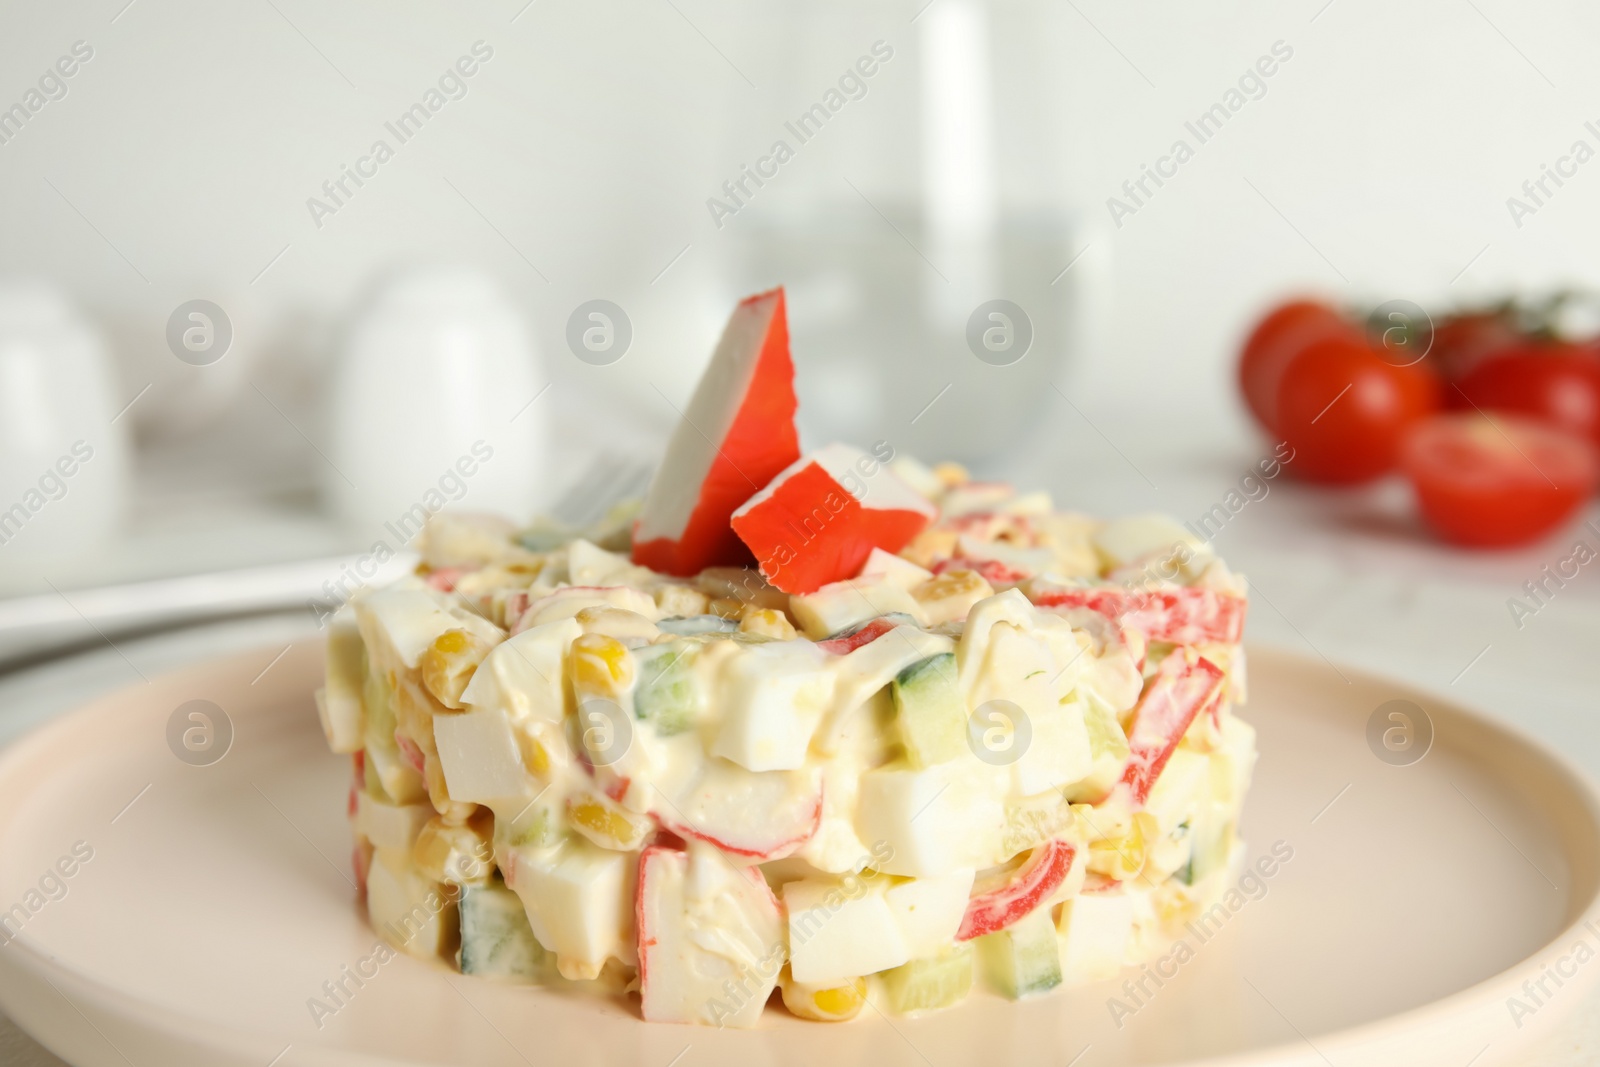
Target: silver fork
[(607, 481), (44, 624)]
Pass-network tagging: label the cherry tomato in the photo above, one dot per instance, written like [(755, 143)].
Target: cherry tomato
[(1558, 384), (1345, 410), (1277, 339), (1494, 480), (1461, 341)]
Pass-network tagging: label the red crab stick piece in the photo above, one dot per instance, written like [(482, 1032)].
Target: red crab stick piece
[(1178, 692), (689, 975), (864, 634), (822, 516), (1186, 616), (736, 435), (1033, 883), (991, 570)]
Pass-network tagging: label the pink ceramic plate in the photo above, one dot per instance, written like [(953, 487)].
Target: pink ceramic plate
[(1419, 899)]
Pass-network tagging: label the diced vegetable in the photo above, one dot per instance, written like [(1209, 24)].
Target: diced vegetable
[(1183, 787), (536, 823), (696, 625), (1209, 840), (600, 667), (523, 676), (931, 983), (1031, 821), (606, 823), (448, 664), (824, 1003), (1122, 857), (766, 622), (930, 711), (579, 899), (1025, 958), (398, 624), (1108, 746), (668, 696), (457, 854), (496, 939)]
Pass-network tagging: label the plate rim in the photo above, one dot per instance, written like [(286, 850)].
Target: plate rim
[(23, 961)]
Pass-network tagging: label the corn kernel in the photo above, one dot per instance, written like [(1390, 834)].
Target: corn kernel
[(952, 475), (1122, 858), (451, 641), (601, 665), (458, 854), (829, 1004), (606, 825), (448, 664), (767, 622)]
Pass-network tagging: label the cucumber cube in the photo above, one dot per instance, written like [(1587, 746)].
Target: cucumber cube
[(667, 696), (1024, 959), (536, 826), (1031, 821), (696, 625), (1108, 747), (930, 710), (932, 983), (496, 939), (1210, 839)]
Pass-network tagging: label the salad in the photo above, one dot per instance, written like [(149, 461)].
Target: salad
[(868, 730)]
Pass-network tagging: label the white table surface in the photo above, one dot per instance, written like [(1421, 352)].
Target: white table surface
[(1347, 576)]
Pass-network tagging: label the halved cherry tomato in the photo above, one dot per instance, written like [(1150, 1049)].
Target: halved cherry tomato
[(1276, 340), (1558, 384), (1494, 480), (1345, 410)]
